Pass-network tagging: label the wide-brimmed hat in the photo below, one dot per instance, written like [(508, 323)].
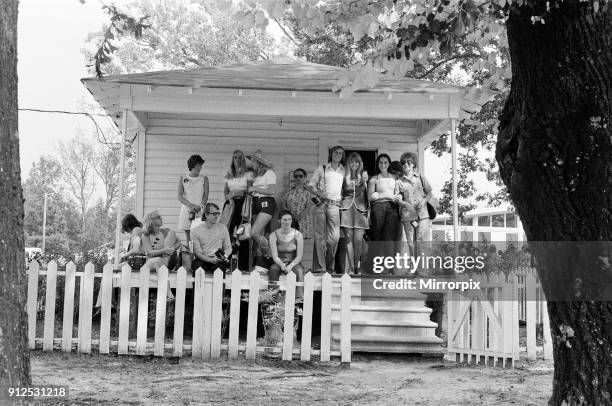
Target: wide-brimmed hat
[(260, 157)]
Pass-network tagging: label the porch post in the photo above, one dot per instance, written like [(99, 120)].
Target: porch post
[(454, 177), (120, 196)]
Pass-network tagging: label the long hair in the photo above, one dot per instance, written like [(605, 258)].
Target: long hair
[(354, 156), (148, 222), (241, 169), (378, 158), (129, 222)]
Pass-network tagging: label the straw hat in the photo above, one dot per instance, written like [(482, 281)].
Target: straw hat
[(260, 157)]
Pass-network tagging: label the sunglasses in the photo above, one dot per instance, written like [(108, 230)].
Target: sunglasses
[(215, 213), (407, 163)]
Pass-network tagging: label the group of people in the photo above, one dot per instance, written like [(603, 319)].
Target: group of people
[(340, 197)]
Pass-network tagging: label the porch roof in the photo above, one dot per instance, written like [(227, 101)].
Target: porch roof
[(294, 75)]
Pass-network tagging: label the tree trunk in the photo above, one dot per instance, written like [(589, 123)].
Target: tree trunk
[(14, 355), (554, 152)]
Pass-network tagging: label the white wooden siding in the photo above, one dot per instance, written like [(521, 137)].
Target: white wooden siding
[(171, 139)]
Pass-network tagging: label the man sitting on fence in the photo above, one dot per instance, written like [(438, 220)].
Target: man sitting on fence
[(210, 240)]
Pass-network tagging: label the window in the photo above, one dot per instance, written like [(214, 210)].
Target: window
[(498, 220), (484, 221), (467, 236), (484, 239), (511, 219), (511, 237), (467, 221), (438, 235)]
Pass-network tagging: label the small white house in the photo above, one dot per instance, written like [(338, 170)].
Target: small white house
[(287, 109)]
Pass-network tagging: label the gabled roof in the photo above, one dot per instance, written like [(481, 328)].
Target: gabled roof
[(292, 75)]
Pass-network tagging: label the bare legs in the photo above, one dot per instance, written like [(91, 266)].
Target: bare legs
[(257, 231), (354, 245)]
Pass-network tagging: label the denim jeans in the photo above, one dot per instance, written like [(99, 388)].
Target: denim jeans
[(326, 220), (384, 218)]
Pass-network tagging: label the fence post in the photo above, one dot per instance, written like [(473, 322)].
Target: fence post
[(289, 312), (531, 316), (345, 320), (217, 314), (106, 290), (124, 309), (326, 304), (69, 283), (32, 302), (251, 342), (179, 311), (208, 309), (234, 323), (160, 311), (143, 311), (85, 309), (546, 336), (307, 316), (198, 314), (49, 326)]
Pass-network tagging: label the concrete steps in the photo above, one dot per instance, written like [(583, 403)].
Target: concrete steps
[(382, 325)]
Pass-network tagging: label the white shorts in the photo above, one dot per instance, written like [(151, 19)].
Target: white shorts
[(184, 224)]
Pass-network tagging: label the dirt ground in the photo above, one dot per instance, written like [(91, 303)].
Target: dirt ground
[(370, 380)]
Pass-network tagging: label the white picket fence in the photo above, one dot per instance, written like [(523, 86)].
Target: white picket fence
[(209, 290), (484, 325)]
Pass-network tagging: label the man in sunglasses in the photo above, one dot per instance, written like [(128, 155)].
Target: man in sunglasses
[(209, 240)]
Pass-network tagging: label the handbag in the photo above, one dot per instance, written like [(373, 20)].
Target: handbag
[(431, 211), (227, 213), (246, 208), (243, 232), (136, 261)]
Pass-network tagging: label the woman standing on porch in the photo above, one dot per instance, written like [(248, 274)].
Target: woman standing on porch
[(235, 190), (384, 216), (353, 209), (263, 189), (297, 201)]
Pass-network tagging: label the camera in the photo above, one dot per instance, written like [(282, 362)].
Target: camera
[(223, 260), (316, 200), (192, 214)]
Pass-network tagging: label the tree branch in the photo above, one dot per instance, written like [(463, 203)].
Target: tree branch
[(437, 65), (285, 32)]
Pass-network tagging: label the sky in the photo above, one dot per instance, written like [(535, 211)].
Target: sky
[(50, 66)]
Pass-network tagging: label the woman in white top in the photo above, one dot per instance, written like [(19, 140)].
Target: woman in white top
[(192, 193), (384, 216), (235, 190), (263, 189)]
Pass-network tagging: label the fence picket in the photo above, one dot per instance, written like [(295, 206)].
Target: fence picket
[(234, 322), (198, 314), (326, 303), (124, 310), (289, 312), (251, 341), (160, 311), (208, 309), (307, 317), (217, 314), (86, 308), (546, 336), (143, 311), (68, 315), (49, 324), (106, 290), (179, 312), (531, 316), (32, 302), (345, 319)]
